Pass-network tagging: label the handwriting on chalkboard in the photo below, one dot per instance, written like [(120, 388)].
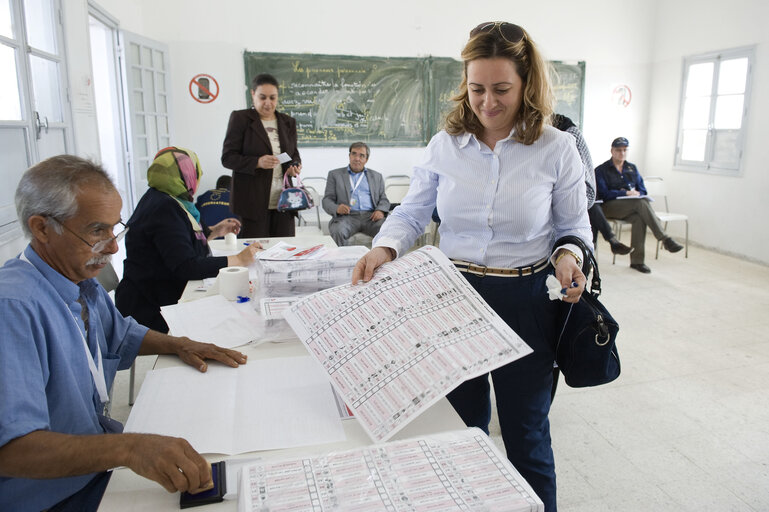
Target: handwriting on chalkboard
[(339, 99)]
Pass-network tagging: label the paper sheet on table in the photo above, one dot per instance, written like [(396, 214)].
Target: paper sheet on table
[(283, 251), (399, 343), (263, 405), (214, 320), (240, 244), (452, 471)]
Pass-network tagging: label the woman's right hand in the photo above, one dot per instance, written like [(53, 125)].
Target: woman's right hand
[(267, 161), (245, 257), (375, 258)]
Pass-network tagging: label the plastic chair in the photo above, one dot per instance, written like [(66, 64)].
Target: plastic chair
[(395, 192), (398, 179), (655, 187)]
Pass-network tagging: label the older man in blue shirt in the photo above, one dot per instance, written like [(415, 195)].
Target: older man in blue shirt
[(355, 197), (63, 341)]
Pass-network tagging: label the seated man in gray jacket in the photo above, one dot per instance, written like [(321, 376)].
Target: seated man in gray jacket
[(355, 197)]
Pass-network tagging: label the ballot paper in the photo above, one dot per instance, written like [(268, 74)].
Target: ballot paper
[(293, 277), (282, 251), (214, 320), (453, 471), (399, 343), (265, 404)]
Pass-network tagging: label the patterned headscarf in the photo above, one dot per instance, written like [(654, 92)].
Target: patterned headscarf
[(176, 172)]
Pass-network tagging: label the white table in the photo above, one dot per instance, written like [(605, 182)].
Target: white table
[(127, 491)]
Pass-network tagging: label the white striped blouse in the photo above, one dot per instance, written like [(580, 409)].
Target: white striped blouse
[(499, 208)]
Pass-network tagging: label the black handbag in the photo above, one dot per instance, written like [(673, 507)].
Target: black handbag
[(586, 351)]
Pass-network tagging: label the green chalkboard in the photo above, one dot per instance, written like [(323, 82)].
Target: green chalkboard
[(396, 101)]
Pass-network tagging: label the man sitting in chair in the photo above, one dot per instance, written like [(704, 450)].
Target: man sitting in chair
[(617, 178), (355, 198)]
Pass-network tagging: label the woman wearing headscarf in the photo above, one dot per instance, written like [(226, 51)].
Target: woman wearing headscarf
[(507, 186), (166, 245)]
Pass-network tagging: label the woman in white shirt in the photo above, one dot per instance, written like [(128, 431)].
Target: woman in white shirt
[(506, 186)]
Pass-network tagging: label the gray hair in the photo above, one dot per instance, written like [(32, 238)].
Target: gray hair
[(361, 145), (50, 188)]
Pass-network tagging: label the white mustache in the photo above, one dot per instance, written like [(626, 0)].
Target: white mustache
[(101, 259)]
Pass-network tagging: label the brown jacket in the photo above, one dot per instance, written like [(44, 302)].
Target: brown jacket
[(245, 142)]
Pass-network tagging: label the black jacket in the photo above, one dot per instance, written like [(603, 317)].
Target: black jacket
[(162, 254)]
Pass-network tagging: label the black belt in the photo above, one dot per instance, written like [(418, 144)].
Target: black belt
[(480, 270)]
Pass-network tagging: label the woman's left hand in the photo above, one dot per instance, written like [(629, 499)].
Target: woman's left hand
[(568, 273), (220, 229), (294, 170)]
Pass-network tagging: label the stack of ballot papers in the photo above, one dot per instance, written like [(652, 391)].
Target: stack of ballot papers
[(265, 404), (290, 277), (453, 471), (394, 346)]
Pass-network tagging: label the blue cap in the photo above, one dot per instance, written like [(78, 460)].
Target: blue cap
[(620, 142)]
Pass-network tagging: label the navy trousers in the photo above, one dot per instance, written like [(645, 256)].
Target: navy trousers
[(522, 388)]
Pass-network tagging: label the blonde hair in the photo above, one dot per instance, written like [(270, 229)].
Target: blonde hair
[(537, 105)]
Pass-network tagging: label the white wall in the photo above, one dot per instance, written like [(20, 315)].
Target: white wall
[(212, 41), (725, 212), (636, 43)]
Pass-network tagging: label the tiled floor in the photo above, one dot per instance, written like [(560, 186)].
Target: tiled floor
[(686, 426)]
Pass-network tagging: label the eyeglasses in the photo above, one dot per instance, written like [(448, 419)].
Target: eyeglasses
[(99, 246), (509, 32)]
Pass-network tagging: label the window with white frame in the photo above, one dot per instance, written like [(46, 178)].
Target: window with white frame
[(714, 107)]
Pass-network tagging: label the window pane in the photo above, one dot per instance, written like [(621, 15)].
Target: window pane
[(41, 31), (46, 88), (149, 90), (134, 53), (136, 74), (696, 112), (13, 148), (700, 81), (6, 21), (693, 147), (146, 57), (139, 125), (158, 60), (10, 103), (732, 76), (725, 148), (728, 112)]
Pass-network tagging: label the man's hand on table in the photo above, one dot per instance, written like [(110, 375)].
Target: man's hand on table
[(193, 353)]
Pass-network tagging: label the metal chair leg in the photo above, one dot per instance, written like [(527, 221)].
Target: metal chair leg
[(131, 380)]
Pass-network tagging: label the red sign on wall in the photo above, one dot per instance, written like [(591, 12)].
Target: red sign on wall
[(204, 88)]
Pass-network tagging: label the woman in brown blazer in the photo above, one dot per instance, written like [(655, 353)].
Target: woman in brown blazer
[(255, 137)]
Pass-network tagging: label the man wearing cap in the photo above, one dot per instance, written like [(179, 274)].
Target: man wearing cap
[(618, 179)]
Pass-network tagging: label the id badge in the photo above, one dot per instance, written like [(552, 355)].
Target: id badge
[(352, 202)]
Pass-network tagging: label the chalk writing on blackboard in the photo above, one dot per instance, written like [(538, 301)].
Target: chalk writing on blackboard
[(401, 101)]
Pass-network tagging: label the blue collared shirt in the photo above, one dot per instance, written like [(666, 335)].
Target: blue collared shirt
[(362, 194), (499, 208), (45, 382)]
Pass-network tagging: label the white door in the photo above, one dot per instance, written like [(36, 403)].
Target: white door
[(146, 80)]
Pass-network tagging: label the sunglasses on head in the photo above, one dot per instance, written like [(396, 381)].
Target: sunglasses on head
[(510, 32)]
